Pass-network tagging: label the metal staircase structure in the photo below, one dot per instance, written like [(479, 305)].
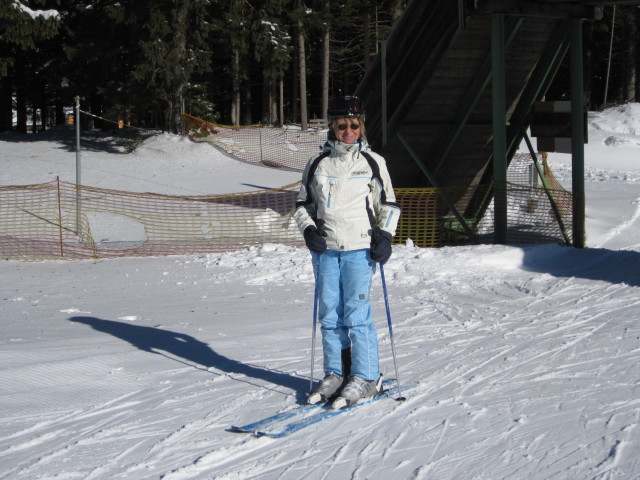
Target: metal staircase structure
[(452, 92)]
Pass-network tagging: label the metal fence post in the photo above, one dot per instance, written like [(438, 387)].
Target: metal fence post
[(78, 176)]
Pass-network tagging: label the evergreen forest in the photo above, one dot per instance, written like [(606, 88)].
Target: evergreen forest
[(234, 62)]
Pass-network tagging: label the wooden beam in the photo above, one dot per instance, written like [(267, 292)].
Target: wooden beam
[(534, 9), (593, 2)]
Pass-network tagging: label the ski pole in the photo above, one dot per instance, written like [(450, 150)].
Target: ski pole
[(320, 225), (315, 319), (393, 348)]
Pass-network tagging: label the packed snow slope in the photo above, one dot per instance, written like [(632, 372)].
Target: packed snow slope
[(526, 358)]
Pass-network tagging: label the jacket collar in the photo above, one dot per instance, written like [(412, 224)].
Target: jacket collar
[(340, 148)]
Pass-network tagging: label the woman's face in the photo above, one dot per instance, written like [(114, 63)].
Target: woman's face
[(348, 130)]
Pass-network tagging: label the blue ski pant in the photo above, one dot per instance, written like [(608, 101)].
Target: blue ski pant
[(344, 310)]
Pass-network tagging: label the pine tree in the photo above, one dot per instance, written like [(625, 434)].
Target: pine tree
[(273, 48), (299, 16), (234, 28), (23, 30), (172, 40), (98, 58), (616, 80)]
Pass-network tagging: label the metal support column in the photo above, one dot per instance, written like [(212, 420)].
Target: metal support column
[(577, 134), (451, 206), (383, 75), (499, 128)]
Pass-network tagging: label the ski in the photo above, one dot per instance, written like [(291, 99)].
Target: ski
[(300, 410), (288, 422), (255, 427)]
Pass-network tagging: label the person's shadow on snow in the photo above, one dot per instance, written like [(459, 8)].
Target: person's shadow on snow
[(187, 349)]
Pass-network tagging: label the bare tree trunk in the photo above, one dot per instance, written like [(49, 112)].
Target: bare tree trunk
[(174, 118), (247, 115), (43, 110), (397, 10), (34, 118), (21, 96), (636, 60), (629, 65), (326, 53), (265, 100), (235, 86), (59, 111), (609, 59), (178, 83), (273, 101), (295, 89), (6, 97), (281, 102), (366, 41), (304, 117)]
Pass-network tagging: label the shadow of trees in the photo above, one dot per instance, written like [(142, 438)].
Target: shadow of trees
[(614, 266), (109, 141)]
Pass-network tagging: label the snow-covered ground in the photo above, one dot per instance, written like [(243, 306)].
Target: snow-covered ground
[(526, 358)]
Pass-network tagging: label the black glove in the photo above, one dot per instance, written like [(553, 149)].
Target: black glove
[(314, 239), (380, 245)]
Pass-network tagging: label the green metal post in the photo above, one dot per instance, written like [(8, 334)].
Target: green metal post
[(577, 135), (499, 128), (547, 189)]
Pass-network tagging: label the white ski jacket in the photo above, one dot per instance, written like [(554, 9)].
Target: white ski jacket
[(346, 191)]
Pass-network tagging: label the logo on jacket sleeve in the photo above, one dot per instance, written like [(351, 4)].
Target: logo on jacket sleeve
[(360, 173)]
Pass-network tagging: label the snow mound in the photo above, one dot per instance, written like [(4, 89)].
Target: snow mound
[(621, 119)]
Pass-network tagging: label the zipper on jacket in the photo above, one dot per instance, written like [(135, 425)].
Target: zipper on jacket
[(329, 196)]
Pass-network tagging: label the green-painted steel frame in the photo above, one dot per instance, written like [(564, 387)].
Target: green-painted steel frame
[(547, 189), (383, 83), (499, 114), (511, 133), (471, 99), (432, 180), (535, 89), (577, 134)]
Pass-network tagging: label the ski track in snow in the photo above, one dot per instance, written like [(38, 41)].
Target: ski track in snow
[(540, 376)]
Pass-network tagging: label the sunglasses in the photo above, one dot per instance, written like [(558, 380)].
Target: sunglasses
[(353, 126)]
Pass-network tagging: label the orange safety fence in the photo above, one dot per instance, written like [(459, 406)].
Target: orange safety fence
[(274, 147), (62, 220), (58, 220), (44, 221)]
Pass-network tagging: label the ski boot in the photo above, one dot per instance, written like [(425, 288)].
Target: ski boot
[(332, 382), (355, 390)]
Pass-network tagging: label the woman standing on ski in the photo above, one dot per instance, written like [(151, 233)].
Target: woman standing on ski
[(347, 213)]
